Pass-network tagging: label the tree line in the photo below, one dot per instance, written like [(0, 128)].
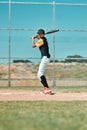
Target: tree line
[(73, 58), (68, 59)]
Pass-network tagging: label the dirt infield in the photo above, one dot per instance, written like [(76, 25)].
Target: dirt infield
[(27, 95)]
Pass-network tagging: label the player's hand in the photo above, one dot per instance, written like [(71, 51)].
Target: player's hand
[(33, 37)]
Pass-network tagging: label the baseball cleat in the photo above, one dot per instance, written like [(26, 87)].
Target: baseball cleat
[(47, 91)]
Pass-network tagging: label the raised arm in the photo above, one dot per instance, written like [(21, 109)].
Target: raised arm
[(33, 41)]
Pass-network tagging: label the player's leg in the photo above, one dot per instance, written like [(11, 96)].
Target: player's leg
[(41, 70)]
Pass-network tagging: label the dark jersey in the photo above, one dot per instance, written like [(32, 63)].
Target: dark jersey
[(44, 49)]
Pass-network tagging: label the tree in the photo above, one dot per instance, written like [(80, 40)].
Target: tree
[(76, 58), (22, 61)]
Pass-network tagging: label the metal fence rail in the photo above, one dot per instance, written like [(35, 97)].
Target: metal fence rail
[(33, 29), (9, 29), (44, 3)]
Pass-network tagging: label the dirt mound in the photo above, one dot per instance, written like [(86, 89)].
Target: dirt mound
[(18, 70)]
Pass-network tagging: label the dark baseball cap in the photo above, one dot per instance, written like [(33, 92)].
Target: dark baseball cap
[(41, 31)]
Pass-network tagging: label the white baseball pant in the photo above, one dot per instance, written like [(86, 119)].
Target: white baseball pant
[(42, 66)]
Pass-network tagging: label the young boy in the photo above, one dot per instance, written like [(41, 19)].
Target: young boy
[(42, 44)]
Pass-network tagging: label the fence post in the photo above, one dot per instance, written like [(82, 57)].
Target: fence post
[(54, 22), (9, 43)]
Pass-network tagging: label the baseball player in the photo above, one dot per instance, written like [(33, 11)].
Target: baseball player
[(42, 44)]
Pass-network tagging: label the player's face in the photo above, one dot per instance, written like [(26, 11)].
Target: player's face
[(38, 36), (41, 35)]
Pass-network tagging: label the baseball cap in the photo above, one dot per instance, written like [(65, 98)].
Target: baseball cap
[(41, 31)]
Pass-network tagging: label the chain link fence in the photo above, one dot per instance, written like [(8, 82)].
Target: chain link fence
[(18, 62)]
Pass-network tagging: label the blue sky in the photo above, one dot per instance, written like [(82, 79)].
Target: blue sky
[(40, 16)]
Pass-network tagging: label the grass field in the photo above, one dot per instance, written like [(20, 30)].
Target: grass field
[(41, 115), (44, 115), (55, 88)]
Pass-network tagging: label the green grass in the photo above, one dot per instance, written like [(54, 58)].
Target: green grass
[(41, 115), (55, 88), (71, 88)]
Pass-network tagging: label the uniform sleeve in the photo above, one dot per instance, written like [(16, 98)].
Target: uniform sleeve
[(39, 43)]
